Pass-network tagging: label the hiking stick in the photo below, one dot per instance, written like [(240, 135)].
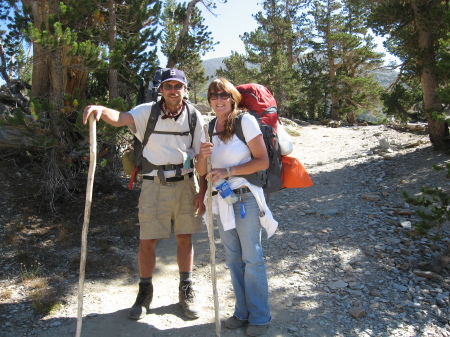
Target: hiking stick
[(87, 214), (212, 246)]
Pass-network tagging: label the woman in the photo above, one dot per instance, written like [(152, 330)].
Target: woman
[(231, 158)]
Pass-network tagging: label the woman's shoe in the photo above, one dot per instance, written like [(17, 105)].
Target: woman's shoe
[(233, 322), (256, 330)]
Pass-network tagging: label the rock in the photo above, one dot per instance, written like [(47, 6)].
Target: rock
[(357, 312), (427, 274), (384, 143), (406, 224), (337, 285), (374, 196)]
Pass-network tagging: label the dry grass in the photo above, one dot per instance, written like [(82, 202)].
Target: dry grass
[(6, 293), (44, 299)]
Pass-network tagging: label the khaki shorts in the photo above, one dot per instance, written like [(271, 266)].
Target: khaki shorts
[(161, 205)]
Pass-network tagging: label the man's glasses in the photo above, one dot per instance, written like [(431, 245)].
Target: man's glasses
[(223, 95), (168, 86)]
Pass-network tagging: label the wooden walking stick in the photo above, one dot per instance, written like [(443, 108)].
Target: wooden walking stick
[(212, 246), (87, 215)]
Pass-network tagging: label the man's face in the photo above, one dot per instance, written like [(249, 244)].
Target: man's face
[(173, 93)]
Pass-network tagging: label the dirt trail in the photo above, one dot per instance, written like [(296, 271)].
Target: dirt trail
[(328, 236)]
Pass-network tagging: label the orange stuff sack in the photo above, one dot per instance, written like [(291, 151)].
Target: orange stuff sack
[(294, 174)]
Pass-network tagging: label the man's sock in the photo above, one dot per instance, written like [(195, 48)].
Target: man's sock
[(186, 276), (146, 279)]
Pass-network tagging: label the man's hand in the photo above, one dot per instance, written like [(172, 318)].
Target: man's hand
[(96, 110), (199, 205)]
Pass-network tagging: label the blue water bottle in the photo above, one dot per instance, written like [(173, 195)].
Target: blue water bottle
[(225, 191)]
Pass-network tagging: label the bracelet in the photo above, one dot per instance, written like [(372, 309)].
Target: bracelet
[(228, 171)]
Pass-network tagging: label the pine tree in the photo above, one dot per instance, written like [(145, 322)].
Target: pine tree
[(414, 29), (342, 37), (14, 61), (185, 37), (195, 73), (274, 48), (314, 86), (237, 69)]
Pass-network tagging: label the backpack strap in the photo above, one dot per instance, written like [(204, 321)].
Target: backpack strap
[(257, 178), (148, 130), (152, 119), (192, 119), (237, 128), (151, 124), (211, 125)]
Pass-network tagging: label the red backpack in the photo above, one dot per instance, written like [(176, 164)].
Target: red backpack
[(260, 102), (283, 171)]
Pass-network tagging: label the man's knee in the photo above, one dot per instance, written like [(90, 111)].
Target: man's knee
[(184, 239), (147, 244)]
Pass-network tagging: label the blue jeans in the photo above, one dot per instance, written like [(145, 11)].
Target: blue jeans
[(244, 258)]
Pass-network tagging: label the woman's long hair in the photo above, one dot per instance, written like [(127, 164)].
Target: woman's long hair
[(222, 84)]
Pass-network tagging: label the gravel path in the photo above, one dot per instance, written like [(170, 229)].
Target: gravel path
[(341, 263)]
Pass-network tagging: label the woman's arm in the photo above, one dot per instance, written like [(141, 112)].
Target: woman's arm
[(260, 161)]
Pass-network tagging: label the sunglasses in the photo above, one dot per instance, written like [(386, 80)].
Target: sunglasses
[(167, 86), (223, 95)]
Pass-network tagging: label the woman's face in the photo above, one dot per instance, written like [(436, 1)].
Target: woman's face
[(220, 102)]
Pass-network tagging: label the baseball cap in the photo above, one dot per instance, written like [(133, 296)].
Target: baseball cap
[(173, 74)]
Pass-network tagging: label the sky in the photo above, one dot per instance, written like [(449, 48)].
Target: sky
[(233, 19)]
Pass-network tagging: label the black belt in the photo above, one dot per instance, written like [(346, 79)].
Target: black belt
[(172, 179), (241, 190)]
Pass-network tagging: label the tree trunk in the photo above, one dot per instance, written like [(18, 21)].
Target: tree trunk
[(3, 66), (54, 72), (41, 71), (334, 112), (75, 74), (173, 58), (437, 130), (113, 80)]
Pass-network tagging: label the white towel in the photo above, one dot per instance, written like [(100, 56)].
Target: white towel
[(226, 212)]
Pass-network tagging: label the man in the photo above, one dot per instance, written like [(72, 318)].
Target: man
[(168, 198)]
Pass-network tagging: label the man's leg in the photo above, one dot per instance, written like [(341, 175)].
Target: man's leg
[(185, 252), (185, 259), (147, 257), (146, 263)]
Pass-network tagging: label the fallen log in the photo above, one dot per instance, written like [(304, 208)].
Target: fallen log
[(18, 136)]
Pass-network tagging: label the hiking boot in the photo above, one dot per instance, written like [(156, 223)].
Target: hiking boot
[(256, 330), (187, 300), (143, 300), (233, 322)]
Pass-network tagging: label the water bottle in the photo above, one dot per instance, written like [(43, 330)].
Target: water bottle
[(225, 191)]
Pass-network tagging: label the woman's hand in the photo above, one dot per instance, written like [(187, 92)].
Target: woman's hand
[(217, 174), (205, 151)]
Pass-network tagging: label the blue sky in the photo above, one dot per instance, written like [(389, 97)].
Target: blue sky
[(233, 19)]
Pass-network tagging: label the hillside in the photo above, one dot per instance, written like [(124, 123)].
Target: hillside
[(385, 77)]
